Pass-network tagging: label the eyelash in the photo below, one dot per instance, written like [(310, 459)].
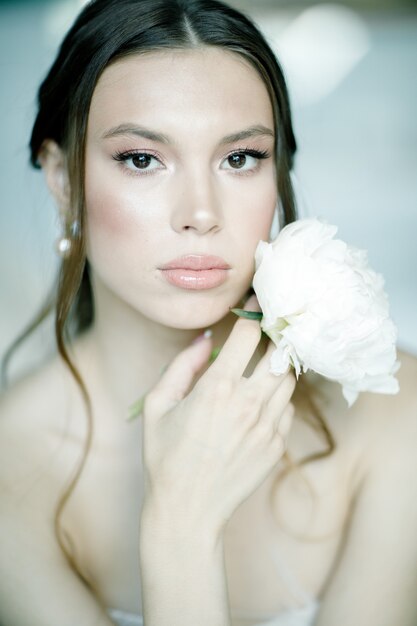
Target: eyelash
[(122, 157)]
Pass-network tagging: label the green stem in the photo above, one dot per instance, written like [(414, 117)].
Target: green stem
[(250, 315), (214, 353), (135, 409)]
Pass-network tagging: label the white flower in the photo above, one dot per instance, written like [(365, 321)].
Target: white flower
[(326, 309)]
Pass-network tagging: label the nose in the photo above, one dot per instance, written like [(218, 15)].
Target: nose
[(198, 207)]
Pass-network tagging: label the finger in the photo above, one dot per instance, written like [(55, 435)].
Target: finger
[(240, 345), (261, 375), (177, 378), (284, 422), (280, 399)]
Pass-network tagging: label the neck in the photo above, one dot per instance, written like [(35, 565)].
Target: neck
[(123, 354)]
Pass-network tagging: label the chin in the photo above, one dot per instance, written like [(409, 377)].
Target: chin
[(199, 309), (196, 319)]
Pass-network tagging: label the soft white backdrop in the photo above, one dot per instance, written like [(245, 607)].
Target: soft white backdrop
[(352, 79)]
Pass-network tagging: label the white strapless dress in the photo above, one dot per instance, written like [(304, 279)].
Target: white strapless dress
[(301, 611), (303, 616)]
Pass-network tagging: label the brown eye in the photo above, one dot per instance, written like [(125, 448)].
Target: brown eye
[(141, 161), (237, 160)]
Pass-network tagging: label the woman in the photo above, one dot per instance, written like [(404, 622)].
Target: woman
[(165, 136)]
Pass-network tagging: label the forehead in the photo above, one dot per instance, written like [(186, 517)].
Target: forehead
[(202, 88)]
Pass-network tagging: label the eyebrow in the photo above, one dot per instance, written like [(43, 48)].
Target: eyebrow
[(258, 130)]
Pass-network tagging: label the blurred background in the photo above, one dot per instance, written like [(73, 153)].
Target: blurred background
[(351, 69)]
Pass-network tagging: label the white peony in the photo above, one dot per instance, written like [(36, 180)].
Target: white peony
[(326, 309)]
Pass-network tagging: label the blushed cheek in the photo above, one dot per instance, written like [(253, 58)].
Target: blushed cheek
[(105, 214), (258, 220), (262, 225), (260, 204), (115, 242), (116, 205), (112, 219)]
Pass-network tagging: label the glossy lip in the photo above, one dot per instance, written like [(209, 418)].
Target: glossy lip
[(196, 262), (196, 279)]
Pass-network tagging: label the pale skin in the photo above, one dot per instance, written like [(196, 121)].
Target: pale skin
[(363, 561)]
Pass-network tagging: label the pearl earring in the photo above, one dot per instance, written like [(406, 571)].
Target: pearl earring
[(63, 245)]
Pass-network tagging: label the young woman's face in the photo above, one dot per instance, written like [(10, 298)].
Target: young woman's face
[(151, 200)]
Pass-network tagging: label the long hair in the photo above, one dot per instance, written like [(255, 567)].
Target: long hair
[(106, 31)]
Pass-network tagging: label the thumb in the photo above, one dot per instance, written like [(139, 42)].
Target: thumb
[(176, 380)]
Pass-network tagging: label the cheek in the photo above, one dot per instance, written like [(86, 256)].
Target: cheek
[(258, 208), (117, 222), (117, 241), (107, 211), (249, 231), (258, 224)]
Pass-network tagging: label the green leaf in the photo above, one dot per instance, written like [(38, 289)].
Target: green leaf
[(250, 315), (135, 409)]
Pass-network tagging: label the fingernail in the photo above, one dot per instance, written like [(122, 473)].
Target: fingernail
[(207, 333)]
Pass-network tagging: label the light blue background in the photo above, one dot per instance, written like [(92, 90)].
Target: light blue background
[(356, 167)]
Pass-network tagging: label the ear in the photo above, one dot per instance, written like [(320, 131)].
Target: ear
[(53, 162)]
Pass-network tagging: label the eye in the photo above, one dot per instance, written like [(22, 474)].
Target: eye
[(137, 161), (246, 160)]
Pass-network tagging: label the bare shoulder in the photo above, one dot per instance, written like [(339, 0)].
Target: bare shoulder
[(392, 420), (376, 424), (391, 414), (35, 465), (32, 434), (381, 431)]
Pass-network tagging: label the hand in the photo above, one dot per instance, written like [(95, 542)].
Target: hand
[(204, 453)]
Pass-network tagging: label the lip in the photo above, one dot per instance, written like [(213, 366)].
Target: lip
[(196, 271), (197, 262), (195, 279)]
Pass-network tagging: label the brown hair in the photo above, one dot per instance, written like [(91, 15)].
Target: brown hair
[(107, 30)]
